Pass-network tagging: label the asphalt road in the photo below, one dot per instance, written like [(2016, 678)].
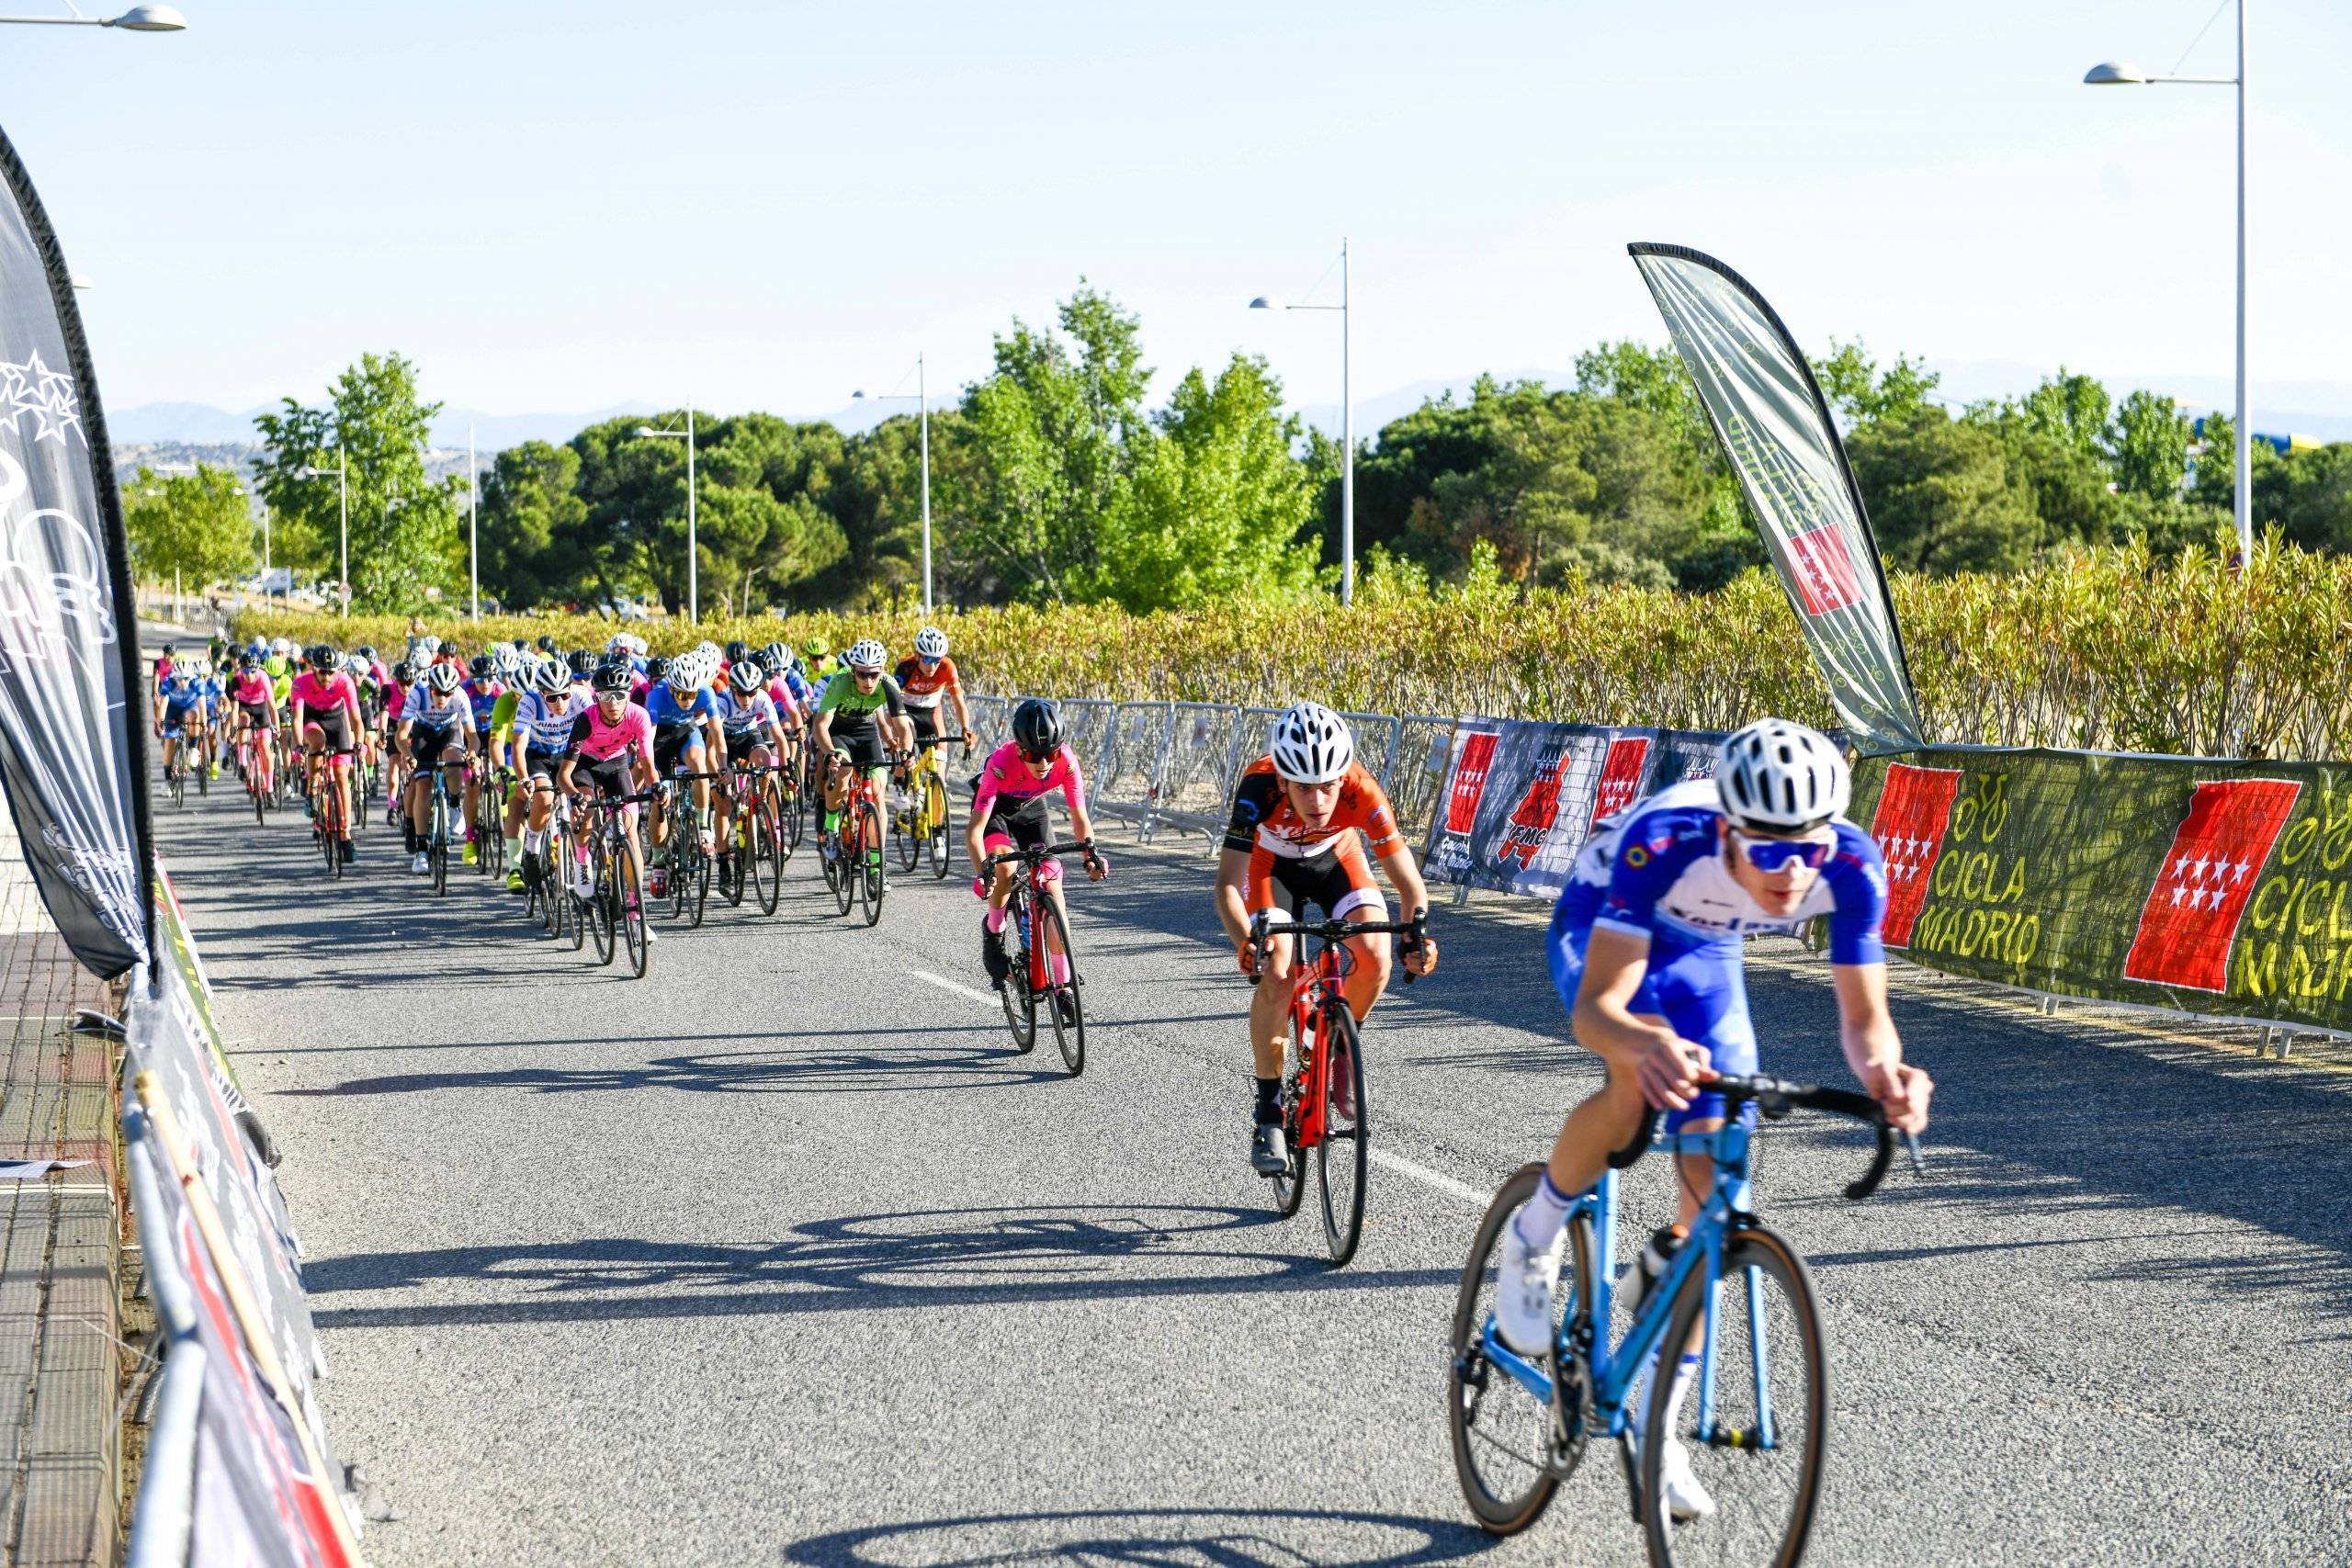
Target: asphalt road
[(782, 1254)]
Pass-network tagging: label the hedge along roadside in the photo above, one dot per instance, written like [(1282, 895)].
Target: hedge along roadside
[(2218, 887), (2106, 650)]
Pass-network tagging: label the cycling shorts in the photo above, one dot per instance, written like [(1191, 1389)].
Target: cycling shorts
[(1338, 882), (261, 716), (864, 749), (1700, 990), (333, 723), (1020, 830), (672, 746), (431, 742), (925, 720), (542, 766), (741, 747), (610, 776)]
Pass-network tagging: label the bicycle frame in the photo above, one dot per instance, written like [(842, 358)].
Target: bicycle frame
[(1618, 1371)]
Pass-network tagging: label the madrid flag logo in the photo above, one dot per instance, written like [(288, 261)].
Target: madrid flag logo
[(1621, 777), (1909, 827), (2206, 882)]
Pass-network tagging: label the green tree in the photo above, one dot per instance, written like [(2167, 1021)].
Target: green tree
[(2148, 443), (1861, 393), (1054, 421), (531, 523), (1215, 502), (198, 525), (1942, 496), (403, 525)]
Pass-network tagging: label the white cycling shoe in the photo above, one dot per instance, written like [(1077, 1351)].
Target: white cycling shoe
[(1685, 1498), (1524, 1283)]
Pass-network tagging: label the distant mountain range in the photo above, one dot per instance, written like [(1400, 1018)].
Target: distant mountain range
[(2296, 408)]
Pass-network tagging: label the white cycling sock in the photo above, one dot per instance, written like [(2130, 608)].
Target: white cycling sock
[(1686, 1371), (1546, 1212)]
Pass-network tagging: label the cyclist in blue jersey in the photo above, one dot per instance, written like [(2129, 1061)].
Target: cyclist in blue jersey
[(179, 712), (686, 736), (1645, 950)]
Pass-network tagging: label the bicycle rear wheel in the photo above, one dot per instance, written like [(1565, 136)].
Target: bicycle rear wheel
[(788, 813), (870, 862), (697, 882), (1509, 1456), (438, 857), (911, 841), (1755, 1441), (1343, 1158), (602, 903), (841, 876), (329, 840), (1070, 1032), (1290, 1187), (1020, 1006)]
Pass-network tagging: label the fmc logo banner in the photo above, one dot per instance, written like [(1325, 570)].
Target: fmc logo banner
[(2217, 887)]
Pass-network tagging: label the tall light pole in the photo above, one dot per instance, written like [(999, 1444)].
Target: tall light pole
[(342, 472), (138, 19), (473, 528), (2113, 74), (1347, 429), (922, 396), (694, 589)]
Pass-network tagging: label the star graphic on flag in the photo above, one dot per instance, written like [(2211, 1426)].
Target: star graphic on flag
[(33, 387)]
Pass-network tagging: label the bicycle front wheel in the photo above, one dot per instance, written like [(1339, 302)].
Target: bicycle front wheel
[(1752, 1423), (910, 839), (943, 847), (629, 912), (1020, 1005), (1508, 1454), (598, 911), (870, 862), (765, 857), (1052, 936), (697, 882), (1343, 1158)]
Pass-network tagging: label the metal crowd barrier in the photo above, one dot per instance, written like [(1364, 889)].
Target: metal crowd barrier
[(1175, 764)]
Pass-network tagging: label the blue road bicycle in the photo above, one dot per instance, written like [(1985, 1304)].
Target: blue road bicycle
[(1753, 1420)]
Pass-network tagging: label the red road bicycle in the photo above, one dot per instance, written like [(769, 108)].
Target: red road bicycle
[(327, 819), (1034, 934), (1323, 1082), (258, 768)]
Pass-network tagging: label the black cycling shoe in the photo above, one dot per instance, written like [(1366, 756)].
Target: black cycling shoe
[(1067, 1004), (344, 851), (1269, 1149), (992, 958)]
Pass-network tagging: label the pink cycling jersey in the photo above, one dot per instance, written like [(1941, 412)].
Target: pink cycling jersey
[(250, 686), (600, 742), (1006, 785), (324, 696)]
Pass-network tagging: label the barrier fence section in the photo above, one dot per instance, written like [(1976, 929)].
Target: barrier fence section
[(239, 1469), (2199, 885), (1175, 764)]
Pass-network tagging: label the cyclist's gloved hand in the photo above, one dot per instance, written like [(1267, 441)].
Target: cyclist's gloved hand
[(1097, 867), (981, 888)]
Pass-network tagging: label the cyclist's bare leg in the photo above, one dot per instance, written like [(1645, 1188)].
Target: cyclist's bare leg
[(1269, 1006), (1368, 971)]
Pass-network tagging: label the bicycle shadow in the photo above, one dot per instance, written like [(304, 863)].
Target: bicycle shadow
[(1237, 1536), (918, 1259), (844, 1070)]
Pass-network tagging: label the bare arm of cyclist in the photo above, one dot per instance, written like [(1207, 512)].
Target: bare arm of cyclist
[(1874, 1049), (1405, 876), (1666, 1066)]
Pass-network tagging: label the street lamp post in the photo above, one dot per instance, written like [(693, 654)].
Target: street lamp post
[(2111, 75), (1347, 429), (922, 397), (342, 472), (473, 525), (694, 581), (138, 19)]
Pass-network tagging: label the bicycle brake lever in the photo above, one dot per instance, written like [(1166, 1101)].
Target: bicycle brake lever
[(1911, 1146)]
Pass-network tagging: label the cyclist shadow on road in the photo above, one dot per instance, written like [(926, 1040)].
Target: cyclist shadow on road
[(821, 1069), (861, 1263), (1288, 1537)]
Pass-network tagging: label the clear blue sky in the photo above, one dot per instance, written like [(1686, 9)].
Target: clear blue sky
[(558, 205)]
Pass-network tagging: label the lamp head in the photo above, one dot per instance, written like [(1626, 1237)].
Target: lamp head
[(1265, 302), (149, 19), (2112, 74)]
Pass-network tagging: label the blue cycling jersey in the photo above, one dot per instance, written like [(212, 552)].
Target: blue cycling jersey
[(1656, 870), (663, 706)]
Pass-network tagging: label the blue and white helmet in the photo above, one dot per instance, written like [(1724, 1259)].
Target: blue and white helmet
[(931, 643), (1781, 777)]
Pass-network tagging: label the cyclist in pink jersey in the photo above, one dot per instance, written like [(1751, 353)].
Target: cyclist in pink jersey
[(1010, 811), (611, 749), (326, 716), (255, 701)]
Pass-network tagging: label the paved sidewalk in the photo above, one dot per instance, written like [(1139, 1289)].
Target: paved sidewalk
[(59, 1244)]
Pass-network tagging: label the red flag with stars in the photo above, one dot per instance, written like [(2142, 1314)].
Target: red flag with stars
[(1913, 808), (1621, 775), (1825, 571), (2207, 880)]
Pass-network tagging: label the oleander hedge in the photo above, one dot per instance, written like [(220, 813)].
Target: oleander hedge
[(2108, 648)]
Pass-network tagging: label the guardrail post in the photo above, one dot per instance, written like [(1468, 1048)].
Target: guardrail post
[(1159, 776)]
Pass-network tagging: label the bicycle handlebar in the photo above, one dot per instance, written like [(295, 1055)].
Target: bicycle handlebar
[(1263, 929), (1043, 852), (614, 802), (1775, 1098)]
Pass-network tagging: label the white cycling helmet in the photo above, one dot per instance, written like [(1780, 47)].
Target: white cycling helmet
[(283, 646), (1781, 777), (618, 643), (428, 646), (444, 678), (866, 654), (1311, 745), (551, 676), (931, 643), (357, 664)]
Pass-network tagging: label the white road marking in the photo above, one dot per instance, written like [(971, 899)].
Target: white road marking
[(945, 984), (1396, 1162), (1429, 1178)]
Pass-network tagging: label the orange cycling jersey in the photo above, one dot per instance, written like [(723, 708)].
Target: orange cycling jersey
[(1263, 817), (922, 688)]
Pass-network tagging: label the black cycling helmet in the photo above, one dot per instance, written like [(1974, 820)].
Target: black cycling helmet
[(1036, 726), (479, 667), (580, 663), (546, 642), (657, 669), (249, 660), (614, 676), (404, 672), (367, 652), (737, 651)]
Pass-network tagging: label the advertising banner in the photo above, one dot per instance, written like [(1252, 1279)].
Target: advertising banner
[(2216, 888), (71, 754), (1520, 799), (1775, 430)]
